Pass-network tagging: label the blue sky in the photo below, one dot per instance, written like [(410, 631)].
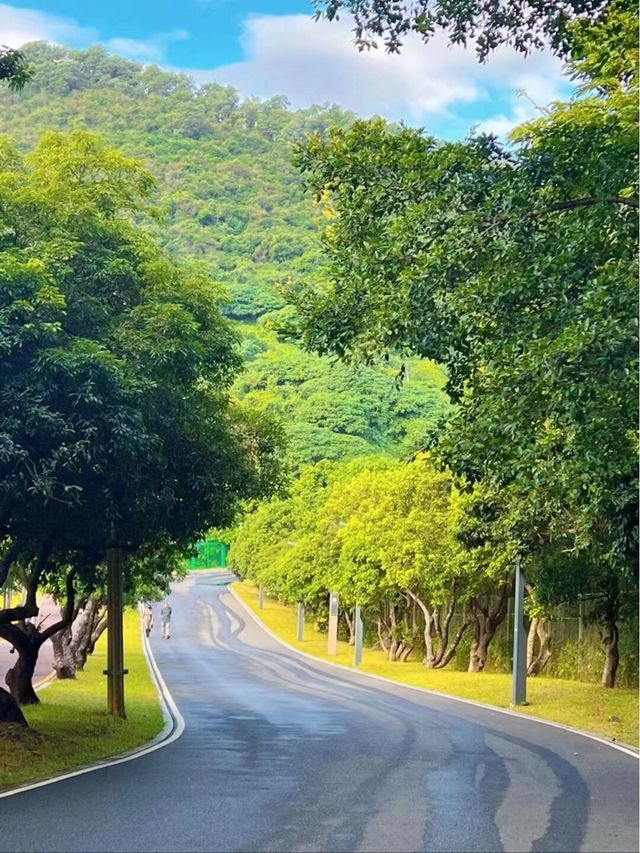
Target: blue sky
[(269, 47)]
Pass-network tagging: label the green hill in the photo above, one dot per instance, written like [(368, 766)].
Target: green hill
[(233, 201)]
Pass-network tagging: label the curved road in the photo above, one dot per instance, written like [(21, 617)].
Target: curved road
[(284, 754)]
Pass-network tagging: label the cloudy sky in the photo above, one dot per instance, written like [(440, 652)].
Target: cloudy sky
[(269, 47)]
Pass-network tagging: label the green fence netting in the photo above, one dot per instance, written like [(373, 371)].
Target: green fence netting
[(211, 554)]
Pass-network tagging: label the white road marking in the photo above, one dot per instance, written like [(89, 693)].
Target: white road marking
[(492, 708), (173, 729)]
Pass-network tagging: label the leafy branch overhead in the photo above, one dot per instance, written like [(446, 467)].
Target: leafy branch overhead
[(14, 68), (523, 24)]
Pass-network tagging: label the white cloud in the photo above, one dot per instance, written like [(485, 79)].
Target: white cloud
[(18, 26), (530, 98), (153, 49), (315, 62)]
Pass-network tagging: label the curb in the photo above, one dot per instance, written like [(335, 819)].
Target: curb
[(45, 682), (174, 726), (628, 750)]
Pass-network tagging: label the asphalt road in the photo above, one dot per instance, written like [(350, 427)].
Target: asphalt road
[(284, 754)]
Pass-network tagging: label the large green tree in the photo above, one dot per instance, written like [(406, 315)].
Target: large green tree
[(116, 425), (515, 267)]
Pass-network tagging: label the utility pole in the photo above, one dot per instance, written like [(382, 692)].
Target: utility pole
[(332, 648), (115, 671), (357, 655), (519, 694)]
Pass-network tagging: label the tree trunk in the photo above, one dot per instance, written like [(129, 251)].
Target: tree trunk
[(64, 662), (537, 664), (9, 709), (27, 640), (429, 655), (97, 632), (485, 624), (531, 641), (448, 657), (479, 652), (610, 634), (393, 648), (19, 679), (383, 635), (351, 627), (87, 629), (406, 652)]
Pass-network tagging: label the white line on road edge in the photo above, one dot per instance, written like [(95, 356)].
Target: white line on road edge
[(256, 618), (45, 682), (173, 727)]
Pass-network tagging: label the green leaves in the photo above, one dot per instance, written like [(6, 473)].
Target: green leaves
[(114, 369), (515, 268)]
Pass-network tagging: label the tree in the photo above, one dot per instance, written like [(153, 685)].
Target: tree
[(14, 68), (515, 267), (524, 25), (116, 423)]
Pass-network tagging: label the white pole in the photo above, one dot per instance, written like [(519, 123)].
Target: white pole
[(357, 657), (332, 647), (300, 623)]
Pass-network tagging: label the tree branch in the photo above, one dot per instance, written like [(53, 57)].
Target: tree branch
[(7, 561), (573, 203)]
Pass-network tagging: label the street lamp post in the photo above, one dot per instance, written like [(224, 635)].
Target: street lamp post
[(519, 692)]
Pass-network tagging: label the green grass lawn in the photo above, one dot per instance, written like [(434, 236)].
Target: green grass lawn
[(70, 728), (574, 703)]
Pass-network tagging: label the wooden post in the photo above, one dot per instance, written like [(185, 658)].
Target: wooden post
[(115, 671), (261, 598), (332, 648)]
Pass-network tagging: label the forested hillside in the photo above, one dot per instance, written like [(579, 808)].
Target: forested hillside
[(231, 199)]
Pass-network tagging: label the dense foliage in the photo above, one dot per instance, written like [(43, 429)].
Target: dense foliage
[(116, 424), (231, 195), (335, 411), (14, 69), (515, 266), (231, 200)]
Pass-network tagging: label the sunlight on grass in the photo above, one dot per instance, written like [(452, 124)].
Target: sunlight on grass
[(71, 727), (610, 713)]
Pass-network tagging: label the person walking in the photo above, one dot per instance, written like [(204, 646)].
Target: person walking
[(165, 616), (147, 619)]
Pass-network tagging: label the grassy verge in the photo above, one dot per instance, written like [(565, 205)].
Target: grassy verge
[(71, 727), (610, 713)]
